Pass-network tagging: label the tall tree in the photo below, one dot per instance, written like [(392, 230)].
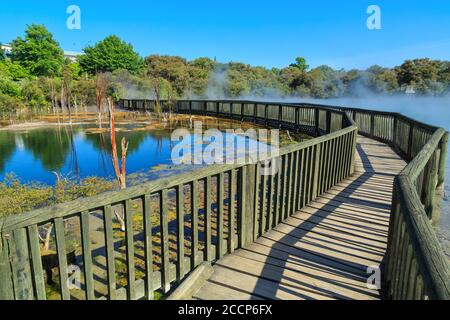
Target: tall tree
[(109, 55), (38, 52), (171, 68)]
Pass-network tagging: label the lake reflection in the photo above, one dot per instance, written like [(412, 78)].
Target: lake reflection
[(79, 151)]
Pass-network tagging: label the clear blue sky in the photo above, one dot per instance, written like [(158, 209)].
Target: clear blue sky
[(268, 33)]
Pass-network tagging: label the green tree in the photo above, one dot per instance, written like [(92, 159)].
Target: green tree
[(109, 55), (420, 73), (171, 68), (301, 64), (38, 52)]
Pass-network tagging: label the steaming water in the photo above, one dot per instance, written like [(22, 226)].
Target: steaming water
[(434, 111)]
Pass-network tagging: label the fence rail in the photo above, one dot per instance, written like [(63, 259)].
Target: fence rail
[(174, 224), (415, 266)]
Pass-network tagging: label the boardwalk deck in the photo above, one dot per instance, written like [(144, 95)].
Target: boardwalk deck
[(324, 250)]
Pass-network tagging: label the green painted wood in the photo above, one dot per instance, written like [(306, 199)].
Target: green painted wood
[(232, 212), (257, 217), (316, 165), (194, 227), (148, 247), (271, 201), (289, 188), (110, 259), (165, 282), (443, 159), (301, 179), (247, 180), (38, 273), (20, 265), (208, 225), (296, 167), (87, 256), (277, 205), (263, 209), (220, 215), (430, 184), (284, 190), (180, 233), (6, 287), (129, 238), (62, 258)]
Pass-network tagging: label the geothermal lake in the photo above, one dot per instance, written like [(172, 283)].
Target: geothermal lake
[(84, 150)]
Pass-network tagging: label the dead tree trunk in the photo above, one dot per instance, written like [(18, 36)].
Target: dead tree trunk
[(120, 170)]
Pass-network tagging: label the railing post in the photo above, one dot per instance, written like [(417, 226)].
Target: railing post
[(247, 179), (266, 112), (231, 110), (280, 114), (394, 132), (255, 111), (217, 107), (190, 107), (6, 287), (410, 141), (20, 265), (317, 120), (430, 183), (328, 121), (372, 125), (443, 160)]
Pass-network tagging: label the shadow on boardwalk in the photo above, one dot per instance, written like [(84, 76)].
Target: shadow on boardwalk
[(324, 250)]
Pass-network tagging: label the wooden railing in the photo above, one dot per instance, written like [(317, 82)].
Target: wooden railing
[(415, 266), (174, 224)]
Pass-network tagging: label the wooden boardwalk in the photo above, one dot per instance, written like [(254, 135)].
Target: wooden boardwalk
[(324, 250)]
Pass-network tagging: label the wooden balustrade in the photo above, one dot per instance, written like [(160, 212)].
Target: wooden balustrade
[(173, 224), (206, 214)]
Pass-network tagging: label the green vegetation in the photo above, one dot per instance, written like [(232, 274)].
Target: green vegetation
[(36, 77), (109, 55), (16, 197)]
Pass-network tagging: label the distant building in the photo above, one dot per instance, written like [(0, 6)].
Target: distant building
[(71, 55), (7, 49), (67, 54), (410, 90)]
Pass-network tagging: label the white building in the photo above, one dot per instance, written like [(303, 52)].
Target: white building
[(7, 49), (67, 54)]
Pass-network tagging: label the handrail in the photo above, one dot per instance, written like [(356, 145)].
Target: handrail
[(415, 266), (247, 204)]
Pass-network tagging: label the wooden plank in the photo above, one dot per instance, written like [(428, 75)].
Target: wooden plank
[(165, 281), (110, 259), (38, 273), (208, 227), (6, 279), (62, 258), (87, 256), (194, 224), (129, 235), (220, 215), (232, 212), (263, 209), (148, 248), (257, 217)]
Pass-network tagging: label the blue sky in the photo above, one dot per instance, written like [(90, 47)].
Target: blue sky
[(267, 33)]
